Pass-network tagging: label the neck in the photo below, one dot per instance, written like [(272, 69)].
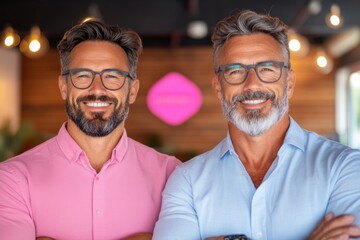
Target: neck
[(97, 149), (257, 153)]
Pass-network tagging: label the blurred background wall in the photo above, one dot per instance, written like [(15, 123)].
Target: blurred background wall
[(10, 83)]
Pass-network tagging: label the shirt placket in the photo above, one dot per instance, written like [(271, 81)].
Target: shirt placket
[(258, 214), (98, 207)]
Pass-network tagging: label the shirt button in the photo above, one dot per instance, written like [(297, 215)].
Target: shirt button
[(98, 212), (97, 178), (258, 235)]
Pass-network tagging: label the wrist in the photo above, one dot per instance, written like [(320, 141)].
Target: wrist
[(236, 237)]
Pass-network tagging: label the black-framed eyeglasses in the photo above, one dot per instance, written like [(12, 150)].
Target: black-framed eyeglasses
[(112, 79), (267, 72)]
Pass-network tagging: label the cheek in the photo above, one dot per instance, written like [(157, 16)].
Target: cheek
[(71, 102), (72, 97), (284, 88), (228, 93), (123, 95)]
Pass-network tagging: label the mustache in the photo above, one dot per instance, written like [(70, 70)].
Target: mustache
[(93, 97), (254, 95)]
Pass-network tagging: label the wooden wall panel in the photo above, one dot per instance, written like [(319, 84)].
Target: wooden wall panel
[(41, 101), (312, 104)]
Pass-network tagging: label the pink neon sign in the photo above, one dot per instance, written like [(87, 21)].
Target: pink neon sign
[(174, 98)]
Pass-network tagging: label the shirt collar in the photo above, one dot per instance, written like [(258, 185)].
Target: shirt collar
[(73, 151), (226, 146), (294, 136), (68, 145), (121, 148)]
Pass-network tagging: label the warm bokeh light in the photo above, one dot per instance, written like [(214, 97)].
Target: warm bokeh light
[(9, 41), (321, 61), (324, 62), (298, 44), (10, 38), (334, 18), (88, 19), (34, 45), (294, 45)]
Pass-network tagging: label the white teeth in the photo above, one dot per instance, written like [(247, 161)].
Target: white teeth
[(255, 101), (97, 104)]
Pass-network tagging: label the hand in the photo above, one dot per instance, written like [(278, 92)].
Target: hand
[(139, 236), (336, 228)]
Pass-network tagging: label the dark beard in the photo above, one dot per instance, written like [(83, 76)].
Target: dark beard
[(97, 126)]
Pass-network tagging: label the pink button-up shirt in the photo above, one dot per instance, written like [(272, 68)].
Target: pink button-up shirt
[(52, 190)]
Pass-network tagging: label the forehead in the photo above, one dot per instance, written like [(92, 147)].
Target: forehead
[(250, 49), (95, 52)]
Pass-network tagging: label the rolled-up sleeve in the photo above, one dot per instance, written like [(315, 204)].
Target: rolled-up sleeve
[(345, 184), (178, 218)]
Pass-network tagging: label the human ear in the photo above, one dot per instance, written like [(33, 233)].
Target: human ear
[(62, 82), (291, 83), (216, 87), (134, 88)]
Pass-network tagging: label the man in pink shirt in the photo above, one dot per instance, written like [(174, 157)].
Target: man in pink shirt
[(90, 181)]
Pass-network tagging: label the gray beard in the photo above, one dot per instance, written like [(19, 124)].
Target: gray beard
[(97, 126), (254, 123)]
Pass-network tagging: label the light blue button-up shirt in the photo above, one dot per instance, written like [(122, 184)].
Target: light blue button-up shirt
[(213, 195)]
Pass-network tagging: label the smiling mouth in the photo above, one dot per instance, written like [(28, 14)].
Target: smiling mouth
[(254, 101), (97, 104)]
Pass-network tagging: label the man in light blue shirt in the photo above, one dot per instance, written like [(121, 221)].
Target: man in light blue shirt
[(269, 178)]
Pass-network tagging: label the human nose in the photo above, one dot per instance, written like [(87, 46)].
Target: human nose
[(97, 84), (252, 80)]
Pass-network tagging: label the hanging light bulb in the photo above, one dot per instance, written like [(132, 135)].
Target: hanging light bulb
[(324, 62), (314, 7), (298, 44), (197, 29), (94, 13), (333, 18), (88, 19), (10, 38), (34, 41), (35, 44)]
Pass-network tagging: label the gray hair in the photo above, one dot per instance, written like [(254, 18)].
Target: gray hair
[(247, 22), (95, 30)]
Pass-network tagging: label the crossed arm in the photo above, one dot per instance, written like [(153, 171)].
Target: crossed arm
[(138, 236), (336, 228), (330, 228)]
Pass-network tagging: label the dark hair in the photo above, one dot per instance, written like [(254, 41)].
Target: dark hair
[(248, 22), (98, 31)]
